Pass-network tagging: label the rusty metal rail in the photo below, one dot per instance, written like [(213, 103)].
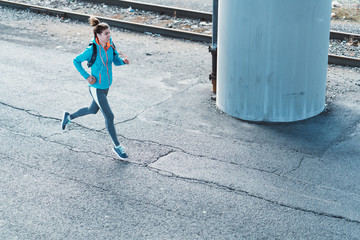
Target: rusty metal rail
[(172, 11), (343, 35), (342, 60), (137, 27)]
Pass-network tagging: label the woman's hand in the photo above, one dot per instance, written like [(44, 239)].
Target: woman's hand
[(126, 61), (91, 80)]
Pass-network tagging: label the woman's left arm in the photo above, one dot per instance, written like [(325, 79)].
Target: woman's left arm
[(118, 61)]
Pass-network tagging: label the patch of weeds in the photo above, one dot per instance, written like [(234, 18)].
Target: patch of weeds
[(347, 13)]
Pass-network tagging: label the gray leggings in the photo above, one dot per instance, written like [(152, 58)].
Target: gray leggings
[(100, 102)]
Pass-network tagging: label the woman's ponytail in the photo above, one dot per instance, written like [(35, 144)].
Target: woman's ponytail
[(98, 27), (94, 21)]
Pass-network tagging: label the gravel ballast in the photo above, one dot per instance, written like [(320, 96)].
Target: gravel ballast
[(347, 47)]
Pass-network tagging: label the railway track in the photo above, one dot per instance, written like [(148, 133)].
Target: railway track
[(169, 32), (172, 11)]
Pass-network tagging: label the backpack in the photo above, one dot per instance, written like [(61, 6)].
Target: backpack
[(94, 53)]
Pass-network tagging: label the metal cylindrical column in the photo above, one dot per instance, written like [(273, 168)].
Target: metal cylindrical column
[(272, 58)]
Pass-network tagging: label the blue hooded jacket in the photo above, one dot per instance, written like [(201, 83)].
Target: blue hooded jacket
[(102, 67)]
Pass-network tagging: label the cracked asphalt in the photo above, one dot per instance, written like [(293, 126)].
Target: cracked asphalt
[(193, 172)]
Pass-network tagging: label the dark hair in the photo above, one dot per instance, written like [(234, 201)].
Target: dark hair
[(98, 27)]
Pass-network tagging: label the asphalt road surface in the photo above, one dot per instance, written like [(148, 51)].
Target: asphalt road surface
[(193, 172)]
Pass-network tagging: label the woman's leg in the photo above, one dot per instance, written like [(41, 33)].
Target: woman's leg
[(100, 97), (93, 109)]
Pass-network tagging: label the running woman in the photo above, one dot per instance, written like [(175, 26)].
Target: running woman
[(100, 79)]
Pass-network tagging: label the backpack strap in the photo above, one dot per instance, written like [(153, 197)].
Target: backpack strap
[(94, 53), (114, 48), (93, 56)]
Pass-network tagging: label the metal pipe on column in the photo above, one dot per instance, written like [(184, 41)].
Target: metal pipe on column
[(213, 47)]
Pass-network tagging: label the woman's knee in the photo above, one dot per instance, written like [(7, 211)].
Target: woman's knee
[(94, 111)]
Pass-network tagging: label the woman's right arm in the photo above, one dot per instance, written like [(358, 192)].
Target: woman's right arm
[(84, 56)]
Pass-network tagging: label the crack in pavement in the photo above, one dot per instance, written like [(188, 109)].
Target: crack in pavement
[(29, 112), (67, 146), (237, 141), (173, 148), (158, 158), (102, 189), (172, 175), (159, 103), (249, 194), (297, 167)]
